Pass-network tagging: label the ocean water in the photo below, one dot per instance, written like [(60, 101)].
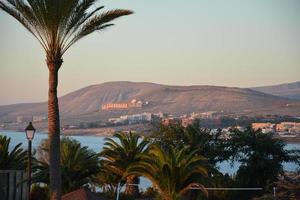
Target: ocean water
[(96, 143)]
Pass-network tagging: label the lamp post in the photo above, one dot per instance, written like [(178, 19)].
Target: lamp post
[(29, 130)]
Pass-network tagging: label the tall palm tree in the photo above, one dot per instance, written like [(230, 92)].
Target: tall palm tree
[(57, 25), (119, 155), (78, 163), (14, 159), (172, 171)]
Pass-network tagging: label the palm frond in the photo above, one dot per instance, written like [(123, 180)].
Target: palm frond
[(96, 23), (58, 24), (172, 170)]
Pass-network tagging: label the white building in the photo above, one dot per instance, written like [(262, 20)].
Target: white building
[(137, 117), (131, 119), (39, 118)]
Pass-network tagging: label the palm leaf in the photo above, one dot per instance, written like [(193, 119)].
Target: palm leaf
[(58, 24)]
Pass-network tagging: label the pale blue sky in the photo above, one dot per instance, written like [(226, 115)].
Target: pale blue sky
[(239, 43)]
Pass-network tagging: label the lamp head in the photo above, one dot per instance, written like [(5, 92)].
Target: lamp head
[(30, 130)]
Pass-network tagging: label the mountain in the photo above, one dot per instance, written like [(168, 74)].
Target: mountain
[(85, 104), (289, 90)]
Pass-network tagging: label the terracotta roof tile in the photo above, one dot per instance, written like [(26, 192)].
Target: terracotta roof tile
[(82, 194)]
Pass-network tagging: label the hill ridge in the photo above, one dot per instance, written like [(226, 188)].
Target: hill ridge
[(288, 90), (88, 100)]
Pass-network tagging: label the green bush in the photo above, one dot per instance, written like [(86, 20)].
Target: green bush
[(39, 192)]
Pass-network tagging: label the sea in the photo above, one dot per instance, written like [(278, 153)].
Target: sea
[(96, 143)]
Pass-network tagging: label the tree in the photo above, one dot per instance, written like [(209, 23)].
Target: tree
[(15, 159), (194, 137), (107, 181), (172, 134), (205, 143), (57, 25), (261, 157), (172, 171), (78, 164), (119, 155)]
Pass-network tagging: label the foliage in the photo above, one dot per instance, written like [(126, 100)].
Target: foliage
[(220, 181), (39, 192), (207, 144), (261, 157), (150, 193), (58, 24), (15, 159), (118, 155), (172, 171), (288, 186), (170, 135), (107, 181), (194, 138), (78, 164), (202, 142)]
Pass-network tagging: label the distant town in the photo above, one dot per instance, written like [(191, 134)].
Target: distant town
[(217, 121)]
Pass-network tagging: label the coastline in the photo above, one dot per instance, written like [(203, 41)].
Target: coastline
[(295, 140), (101, 132), (109, 131)]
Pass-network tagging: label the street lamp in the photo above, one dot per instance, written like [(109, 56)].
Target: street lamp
[(29, 130)]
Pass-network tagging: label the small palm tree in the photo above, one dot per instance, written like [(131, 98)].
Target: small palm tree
[(107, 181), (172, 171), (78, 164), (15, 159), (119, 155), (57, 25)]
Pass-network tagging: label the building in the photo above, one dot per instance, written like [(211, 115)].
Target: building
[(122, 105), (117, 120), (206, 115), (83, 194), (137, 118), (20, 119), (187, 121), (132, 119), (289, 127), (39, 118), (114, 106), (265, 127), (159, 114)]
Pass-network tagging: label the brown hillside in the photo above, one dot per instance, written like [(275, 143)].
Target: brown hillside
[(87, 101)]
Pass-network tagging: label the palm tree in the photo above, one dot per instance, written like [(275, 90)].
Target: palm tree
[(118, 156), (79, 164), (15, 159), (107, 181), (172, 171), (57, 25)]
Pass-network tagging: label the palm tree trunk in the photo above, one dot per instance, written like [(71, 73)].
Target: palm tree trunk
[(54, 130), (132, 188)]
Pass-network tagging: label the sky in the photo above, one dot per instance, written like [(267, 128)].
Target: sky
[(240, 43)]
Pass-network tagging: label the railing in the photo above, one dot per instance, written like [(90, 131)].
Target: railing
[(237, 189), (13, 185), (210, 189)]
